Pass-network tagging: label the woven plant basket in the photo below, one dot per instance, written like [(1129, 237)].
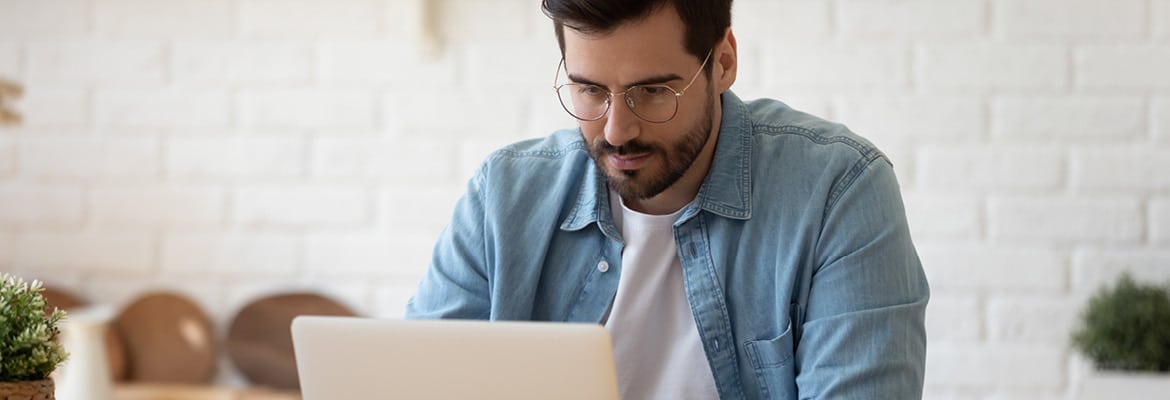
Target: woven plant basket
[(28, 390)]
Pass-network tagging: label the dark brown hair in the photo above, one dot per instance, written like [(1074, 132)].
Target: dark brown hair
[(705, 20)]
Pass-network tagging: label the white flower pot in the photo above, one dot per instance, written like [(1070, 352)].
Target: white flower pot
[(1093, 384)]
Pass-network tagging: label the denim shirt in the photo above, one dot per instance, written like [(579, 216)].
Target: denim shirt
[(797, 260)]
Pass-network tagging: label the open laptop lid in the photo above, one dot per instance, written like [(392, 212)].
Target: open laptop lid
[(357, 358)]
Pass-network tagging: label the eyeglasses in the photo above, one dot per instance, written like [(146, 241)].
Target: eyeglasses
[(652, 103)]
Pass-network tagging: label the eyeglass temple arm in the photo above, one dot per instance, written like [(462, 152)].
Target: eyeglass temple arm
[(557, 77)]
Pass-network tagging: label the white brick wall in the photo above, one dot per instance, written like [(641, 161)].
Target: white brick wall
[(232, 149), (365, 256), (960, 268), (498, 113), (1048, 118), (466, 21), (163, 108), (41, 205), (1032, 319), (148, 206), (6, 245), (954, 318), (779, 19), (302, 206), (85, 158), (9, 58), (269, 255), (44, 106), (841, 67), (1076, 19), (1093, 268), (1059, 219), (7, 157), (1123, 66), (869, 19), (109, 251), (212, 159), (914, 119), (250, 62), (302, 108), (44, 18), (1160, 220), (407, 160), (988, 66), (1161, 16), (1161, 119), (308, 19), (1133, 169), (362, 63), (164, 18), (990, 168), (997, 366), (128, 62), (944, 216)]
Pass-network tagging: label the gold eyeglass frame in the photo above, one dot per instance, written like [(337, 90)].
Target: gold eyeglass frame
[(609, 95)]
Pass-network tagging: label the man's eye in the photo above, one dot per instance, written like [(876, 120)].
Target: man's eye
[(590, 90), (653, 90)]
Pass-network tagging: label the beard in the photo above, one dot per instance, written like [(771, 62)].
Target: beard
[(676, 159)]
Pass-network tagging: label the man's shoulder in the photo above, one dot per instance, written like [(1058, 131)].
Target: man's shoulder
[(558, 153), (554, 146), (776, 126)]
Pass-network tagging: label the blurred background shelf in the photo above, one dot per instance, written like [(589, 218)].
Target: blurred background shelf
[(198, 392)]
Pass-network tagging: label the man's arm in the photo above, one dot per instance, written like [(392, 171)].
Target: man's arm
[(456, 284), (864, 331)]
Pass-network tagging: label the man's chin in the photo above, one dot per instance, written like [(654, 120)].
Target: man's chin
[(628, 186)]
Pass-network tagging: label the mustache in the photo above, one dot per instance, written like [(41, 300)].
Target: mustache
[(632, 147)]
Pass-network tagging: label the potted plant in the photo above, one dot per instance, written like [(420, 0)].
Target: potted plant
[(1125, 333), (29, 349)]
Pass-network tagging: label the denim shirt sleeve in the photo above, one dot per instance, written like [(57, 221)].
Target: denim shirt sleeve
[(863, 333), (456, 283)]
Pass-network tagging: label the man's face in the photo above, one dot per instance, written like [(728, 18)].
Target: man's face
[(642, 159)]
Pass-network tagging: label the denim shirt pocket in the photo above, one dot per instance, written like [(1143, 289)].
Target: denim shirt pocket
[(773, 364)]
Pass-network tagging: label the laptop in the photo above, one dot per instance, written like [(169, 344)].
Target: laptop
[(360, 358)]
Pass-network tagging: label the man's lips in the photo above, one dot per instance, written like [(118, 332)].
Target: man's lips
[(629, 161)]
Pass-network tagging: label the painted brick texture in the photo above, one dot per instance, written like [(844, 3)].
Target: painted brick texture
[(230, 149)]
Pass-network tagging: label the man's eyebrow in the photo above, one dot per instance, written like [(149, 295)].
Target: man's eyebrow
[(653, 80)]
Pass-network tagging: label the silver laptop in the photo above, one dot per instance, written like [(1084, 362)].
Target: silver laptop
[(358, 358)]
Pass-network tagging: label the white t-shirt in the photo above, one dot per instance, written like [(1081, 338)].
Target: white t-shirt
[(656, 345)]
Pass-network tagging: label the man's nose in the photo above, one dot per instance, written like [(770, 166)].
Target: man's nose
[(621, 125)]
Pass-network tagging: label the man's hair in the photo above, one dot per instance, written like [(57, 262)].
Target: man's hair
[(705, 20)]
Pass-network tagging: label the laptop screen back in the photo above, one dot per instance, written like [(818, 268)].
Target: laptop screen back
[(357, 358)]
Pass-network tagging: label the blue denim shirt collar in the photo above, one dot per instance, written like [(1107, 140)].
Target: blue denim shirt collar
[(726, 191)]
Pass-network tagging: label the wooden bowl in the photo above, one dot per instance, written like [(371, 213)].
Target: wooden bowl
[(260, 341), (168, 339)]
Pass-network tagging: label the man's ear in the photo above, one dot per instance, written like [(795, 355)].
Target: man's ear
[(726, 60)]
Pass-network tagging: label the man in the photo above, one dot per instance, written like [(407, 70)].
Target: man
[(733, 250)]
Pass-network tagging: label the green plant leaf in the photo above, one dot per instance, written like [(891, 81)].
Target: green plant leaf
[(1126, 327), (29, 349)]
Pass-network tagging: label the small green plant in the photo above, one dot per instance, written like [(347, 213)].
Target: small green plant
[(1127, 327), (29, 350)]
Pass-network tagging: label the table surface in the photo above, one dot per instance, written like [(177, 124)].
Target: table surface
[(197, 392)]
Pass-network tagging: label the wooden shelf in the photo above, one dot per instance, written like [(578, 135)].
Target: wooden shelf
[(196, 392)]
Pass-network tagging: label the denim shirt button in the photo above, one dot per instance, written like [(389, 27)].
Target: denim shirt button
[(603, 266)]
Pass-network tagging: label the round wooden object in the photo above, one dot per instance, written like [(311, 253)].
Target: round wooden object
[(260, 341), (168, 339), (115, 351), (28, 390), (60, 298)]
